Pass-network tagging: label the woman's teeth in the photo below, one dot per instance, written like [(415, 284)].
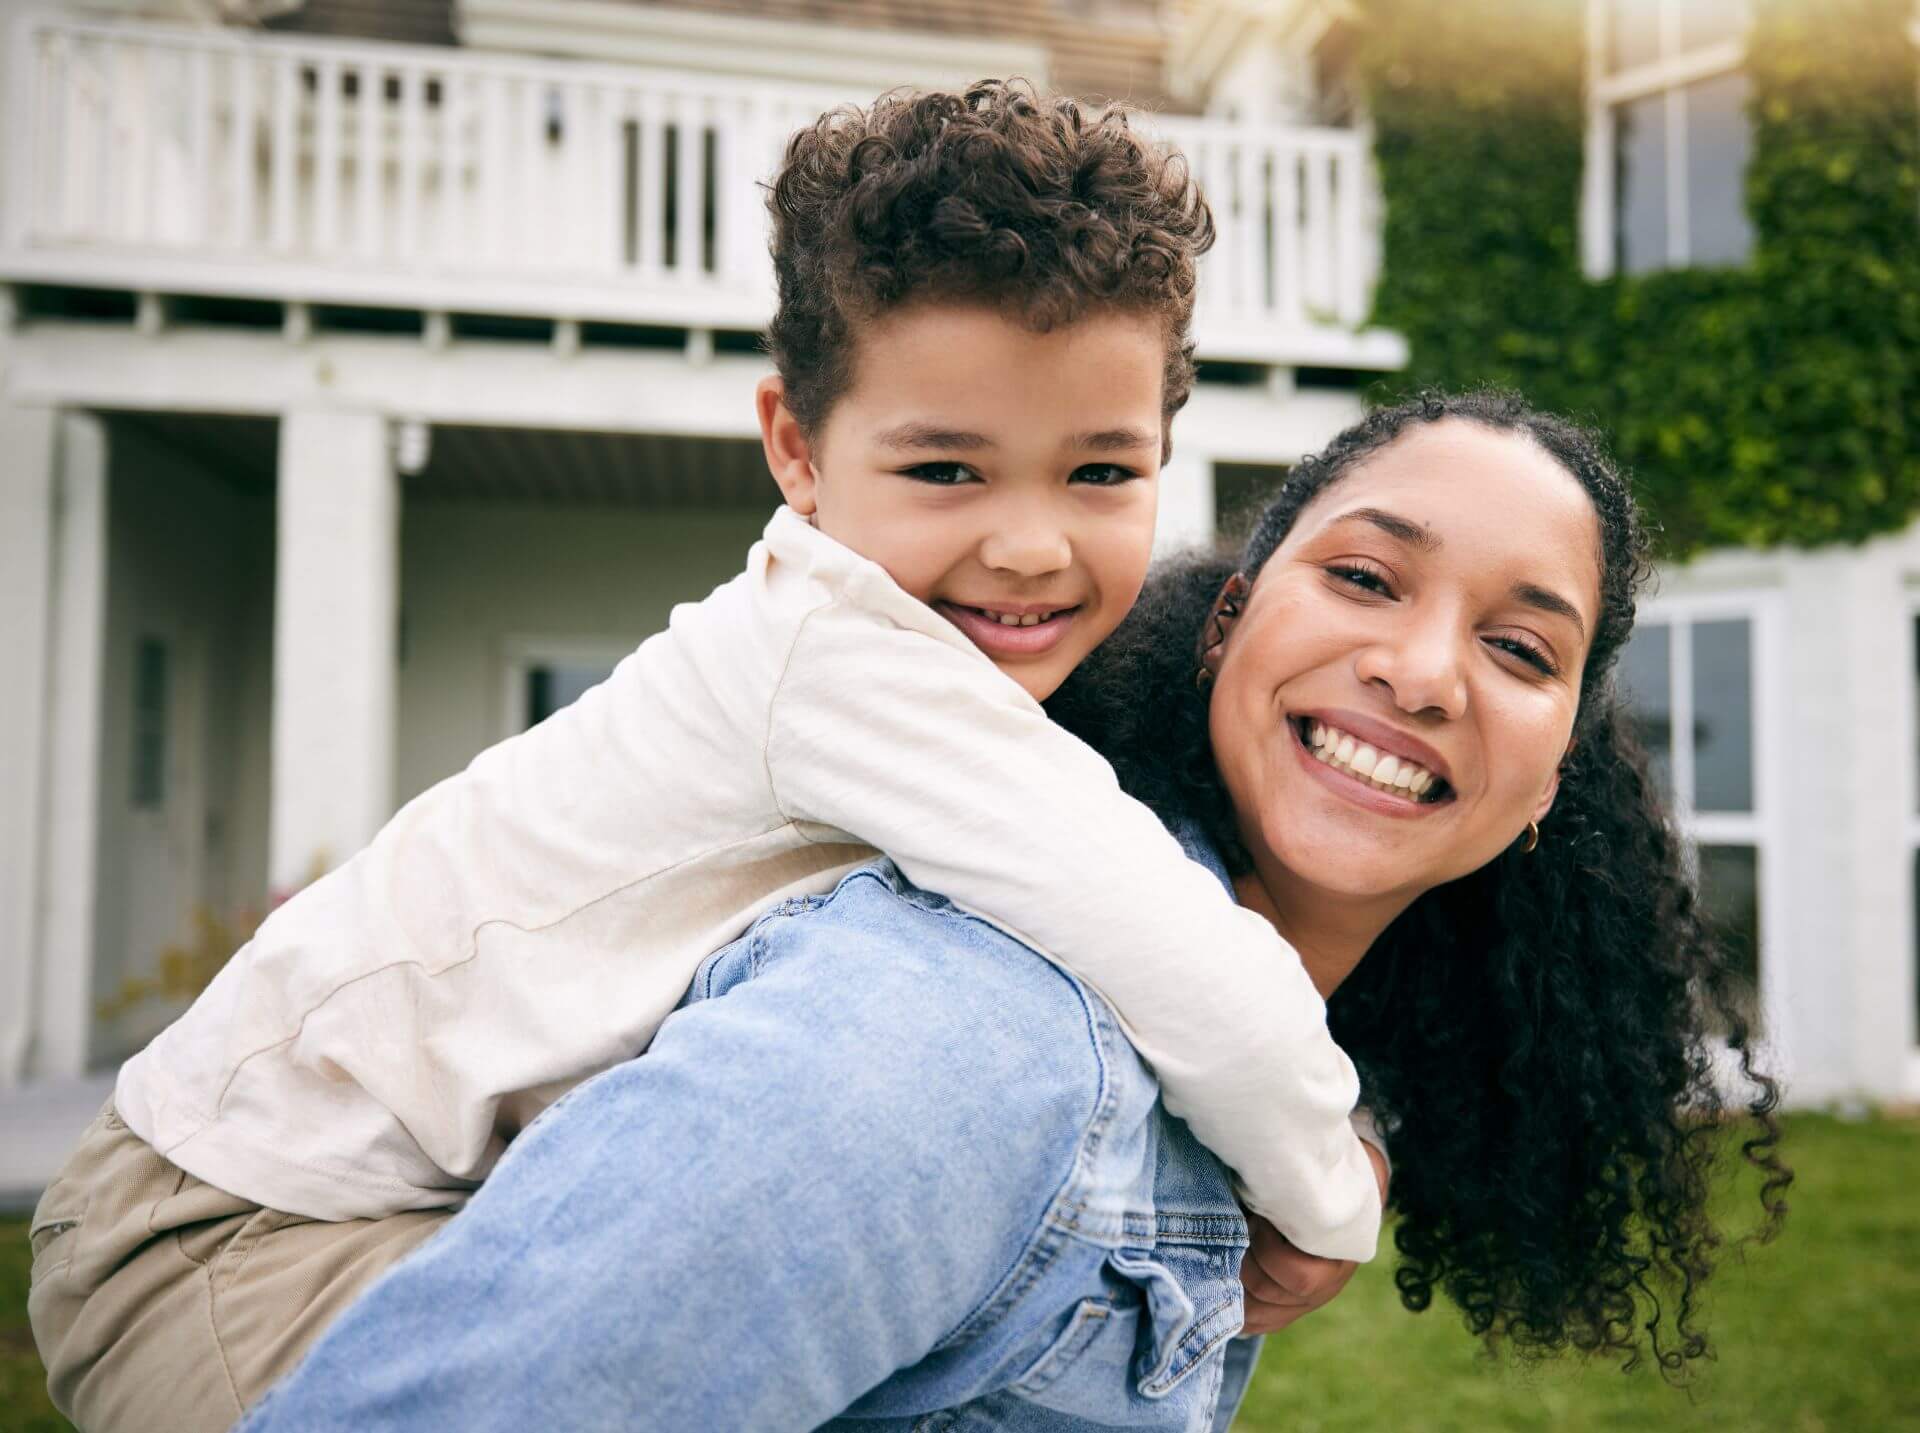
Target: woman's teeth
[(1356, 758)]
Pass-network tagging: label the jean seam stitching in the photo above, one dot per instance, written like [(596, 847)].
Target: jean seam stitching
[(1051, 1234)]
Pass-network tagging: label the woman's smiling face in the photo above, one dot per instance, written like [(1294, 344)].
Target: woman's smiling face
[(1433, 609)]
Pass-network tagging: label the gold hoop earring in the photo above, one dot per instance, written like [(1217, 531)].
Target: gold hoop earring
[(1533, 839)]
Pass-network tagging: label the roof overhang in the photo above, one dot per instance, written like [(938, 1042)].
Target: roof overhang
[(1219, 32)]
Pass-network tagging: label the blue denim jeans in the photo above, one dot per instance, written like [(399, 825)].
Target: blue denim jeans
[(884, 1167)]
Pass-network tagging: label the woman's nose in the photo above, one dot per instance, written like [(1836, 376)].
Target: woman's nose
[(1423, 665)]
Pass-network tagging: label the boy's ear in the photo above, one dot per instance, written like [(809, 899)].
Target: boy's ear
[(789, 453)]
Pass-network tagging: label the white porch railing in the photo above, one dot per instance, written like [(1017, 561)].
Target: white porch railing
[(204, 161)]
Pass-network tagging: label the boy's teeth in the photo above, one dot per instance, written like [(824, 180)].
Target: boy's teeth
[(1014, 619), (1385, 772)]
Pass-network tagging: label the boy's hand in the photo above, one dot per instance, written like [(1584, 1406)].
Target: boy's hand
[(1282, 1283)]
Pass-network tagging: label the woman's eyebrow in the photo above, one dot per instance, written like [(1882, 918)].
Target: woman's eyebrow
[(1530, 594), (1394, 525), (1544, 600)]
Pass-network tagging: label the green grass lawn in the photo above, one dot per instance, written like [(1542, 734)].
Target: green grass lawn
[(1817, 1333)]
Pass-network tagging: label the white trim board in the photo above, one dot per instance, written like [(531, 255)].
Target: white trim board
[(862, 61)]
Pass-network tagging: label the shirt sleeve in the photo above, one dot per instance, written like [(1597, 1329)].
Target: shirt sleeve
[(1368, 1128), (922, 749)]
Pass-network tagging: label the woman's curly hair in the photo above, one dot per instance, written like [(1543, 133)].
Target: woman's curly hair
[(1034, 204), (1539, 1037)]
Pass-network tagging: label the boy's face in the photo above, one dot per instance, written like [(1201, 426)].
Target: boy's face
[(995, 473)]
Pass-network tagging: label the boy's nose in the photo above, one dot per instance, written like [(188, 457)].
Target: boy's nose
[(1027, 545)]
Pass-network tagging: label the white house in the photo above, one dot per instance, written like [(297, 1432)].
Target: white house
[(373, 375)]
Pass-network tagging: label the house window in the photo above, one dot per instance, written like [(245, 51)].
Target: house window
[(1668, 137), (1241, 492), (149, 724), (553, 685), (544, 675), (1690, 678)]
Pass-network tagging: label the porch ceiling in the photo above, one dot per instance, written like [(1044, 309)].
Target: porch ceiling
[(545, 467), (556, 467)]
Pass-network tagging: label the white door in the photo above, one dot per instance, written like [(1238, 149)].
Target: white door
[(163, 821)]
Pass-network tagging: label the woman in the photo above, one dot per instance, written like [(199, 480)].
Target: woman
[(886, 1162), (1535, 1029)]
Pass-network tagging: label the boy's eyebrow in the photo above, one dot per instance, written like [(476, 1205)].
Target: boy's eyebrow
[(1113, 440), (923, 435), (919, 435)]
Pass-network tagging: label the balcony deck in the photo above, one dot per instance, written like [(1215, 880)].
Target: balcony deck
[(208, 162)]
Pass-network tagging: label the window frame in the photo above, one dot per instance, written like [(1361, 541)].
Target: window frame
[(1668, 75), (1763, 828), (519, 655)]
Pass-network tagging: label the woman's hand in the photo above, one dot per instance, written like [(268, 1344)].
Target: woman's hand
[(1282, 1283)]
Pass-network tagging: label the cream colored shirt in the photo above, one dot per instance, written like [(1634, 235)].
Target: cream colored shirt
[(531, 921)]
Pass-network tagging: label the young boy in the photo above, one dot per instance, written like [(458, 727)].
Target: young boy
[(981, 340)]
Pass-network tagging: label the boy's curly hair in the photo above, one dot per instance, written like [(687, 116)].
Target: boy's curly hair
[(1001, 195)]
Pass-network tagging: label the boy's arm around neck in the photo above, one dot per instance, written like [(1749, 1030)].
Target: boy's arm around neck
[(915, 744)]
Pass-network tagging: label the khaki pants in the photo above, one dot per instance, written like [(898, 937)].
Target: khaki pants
[(164, 1305)]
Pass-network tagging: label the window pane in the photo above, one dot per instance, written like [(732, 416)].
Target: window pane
[(1730, 902), (552, 686), (1241, 492), (1640, 184), (1719, 143), (1647, 690), (150, 723), (1633, 33), (1723, 715), (1708, 22)]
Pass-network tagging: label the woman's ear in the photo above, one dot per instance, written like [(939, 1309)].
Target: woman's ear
[(789, 451), (1227, 607), (1545, 804)]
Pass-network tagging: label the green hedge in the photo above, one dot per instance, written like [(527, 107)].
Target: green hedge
[(1774, 403)]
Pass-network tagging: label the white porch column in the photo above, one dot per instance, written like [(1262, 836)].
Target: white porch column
[(69, 894), (1847, 996), (335, 640), (53, 582), (27, 539), (1186, 501)]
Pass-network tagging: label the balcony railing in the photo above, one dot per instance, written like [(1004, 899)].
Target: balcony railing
[(202, 161)]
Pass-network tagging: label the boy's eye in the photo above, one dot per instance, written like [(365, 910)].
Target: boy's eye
[(943, 475), (1103, 475)]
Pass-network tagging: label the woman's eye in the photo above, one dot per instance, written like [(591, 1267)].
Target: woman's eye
[(1364, 578), (1535, 657), (943, 475), (1104, 475)]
